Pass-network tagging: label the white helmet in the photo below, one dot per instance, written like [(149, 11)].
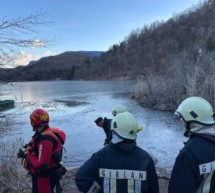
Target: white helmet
[(118, 109), (196, 109), (125, 125)]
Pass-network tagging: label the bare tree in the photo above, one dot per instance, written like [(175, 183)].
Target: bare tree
[(17, 33)]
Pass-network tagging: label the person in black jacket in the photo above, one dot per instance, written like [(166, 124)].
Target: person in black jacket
[(122, 166), (105, 123), (193, 171)]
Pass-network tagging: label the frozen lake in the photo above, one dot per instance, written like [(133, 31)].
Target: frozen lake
[(162, 135)]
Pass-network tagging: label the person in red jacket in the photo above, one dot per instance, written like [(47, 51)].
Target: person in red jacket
[(43, 154)]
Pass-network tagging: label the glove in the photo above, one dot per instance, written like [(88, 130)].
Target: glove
[(21, 154), (64, 168)]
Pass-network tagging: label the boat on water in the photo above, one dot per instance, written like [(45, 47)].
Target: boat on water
[(6, 104)]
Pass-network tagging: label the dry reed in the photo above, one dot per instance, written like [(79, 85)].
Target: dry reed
[(12, 177)]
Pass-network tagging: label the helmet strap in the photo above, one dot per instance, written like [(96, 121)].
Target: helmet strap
[(41, 127), (187, 132)]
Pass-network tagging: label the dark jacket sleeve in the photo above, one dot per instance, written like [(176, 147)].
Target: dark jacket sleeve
[(183, 178), (87, 173), (107, 129)]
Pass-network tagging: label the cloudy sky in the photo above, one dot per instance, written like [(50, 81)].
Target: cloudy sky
[(90, 25)]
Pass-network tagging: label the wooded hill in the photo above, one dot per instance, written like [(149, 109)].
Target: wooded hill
[(61, 66), (176, 58)]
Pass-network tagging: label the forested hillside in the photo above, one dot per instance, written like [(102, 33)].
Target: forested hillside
[(185, 39), (175, 59)]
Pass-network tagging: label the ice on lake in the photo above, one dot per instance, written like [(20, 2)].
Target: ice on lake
[(74, 105)]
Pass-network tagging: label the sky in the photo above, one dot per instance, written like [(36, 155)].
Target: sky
[(89, 25)]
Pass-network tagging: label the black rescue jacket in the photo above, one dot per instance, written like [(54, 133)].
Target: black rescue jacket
[(193, 171), (119, 168)]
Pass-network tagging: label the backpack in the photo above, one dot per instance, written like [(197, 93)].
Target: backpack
[(58, 138)]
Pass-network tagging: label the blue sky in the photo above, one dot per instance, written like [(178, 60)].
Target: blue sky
[(91, 25)]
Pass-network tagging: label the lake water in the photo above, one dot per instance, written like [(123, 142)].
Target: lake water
[(162, 135)]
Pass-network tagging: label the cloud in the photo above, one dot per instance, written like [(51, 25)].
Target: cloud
[(38, 43)]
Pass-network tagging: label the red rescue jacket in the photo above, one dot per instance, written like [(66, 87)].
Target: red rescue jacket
[(44, 151)]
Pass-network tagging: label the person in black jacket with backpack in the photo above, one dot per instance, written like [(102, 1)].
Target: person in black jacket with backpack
[(193, 171), (122, 166)]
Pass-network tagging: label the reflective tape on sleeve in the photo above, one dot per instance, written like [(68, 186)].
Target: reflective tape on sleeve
[(207, 168)]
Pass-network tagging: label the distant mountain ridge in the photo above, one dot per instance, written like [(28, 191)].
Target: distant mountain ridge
[(35, 61), (88, 53), (63, 66), (93, 53)]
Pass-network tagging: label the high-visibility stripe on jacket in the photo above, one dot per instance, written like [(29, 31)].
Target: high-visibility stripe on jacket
[(194, 168)]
